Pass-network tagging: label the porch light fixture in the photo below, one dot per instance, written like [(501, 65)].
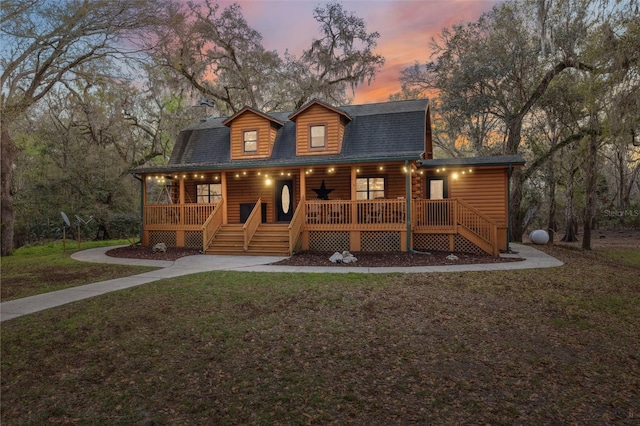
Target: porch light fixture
[(454, 175), (268, 182), (381, 168), (357, 170)]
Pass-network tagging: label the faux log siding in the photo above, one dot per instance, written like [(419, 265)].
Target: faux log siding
[(340, 181), (486, 190), (247, 189), (318, 115), (266, 136)]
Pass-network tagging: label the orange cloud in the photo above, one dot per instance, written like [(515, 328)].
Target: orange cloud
[(406, 28)]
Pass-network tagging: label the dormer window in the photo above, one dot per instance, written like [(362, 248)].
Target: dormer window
[(318, 136), (250, 139)]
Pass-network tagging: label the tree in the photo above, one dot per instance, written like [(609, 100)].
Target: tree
[(46, 43), (222, 57), (503, 64)]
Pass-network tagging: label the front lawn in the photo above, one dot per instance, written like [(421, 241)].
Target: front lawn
[(549, 346), (40, 269)]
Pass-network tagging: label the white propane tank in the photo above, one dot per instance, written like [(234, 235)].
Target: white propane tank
[(539, 236)]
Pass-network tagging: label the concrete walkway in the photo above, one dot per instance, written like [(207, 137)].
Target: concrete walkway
[(533, 259)]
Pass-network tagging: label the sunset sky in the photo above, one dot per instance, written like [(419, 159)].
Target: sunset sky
[(405, 27)]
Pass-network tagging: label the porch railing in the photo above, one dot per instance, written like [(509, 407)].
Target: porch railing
[(479, 224), (453, 216), (212, 225), (296, 224), (252, 223), (356, 214), (176, 216), (434, 215)]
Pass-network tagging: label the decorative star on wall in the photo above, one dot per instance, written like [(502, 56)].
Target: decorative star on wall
[(323, 192)]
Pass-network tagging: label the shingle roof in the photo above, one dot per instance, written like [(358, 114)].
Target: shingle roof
[(501, 160), (381, 131)]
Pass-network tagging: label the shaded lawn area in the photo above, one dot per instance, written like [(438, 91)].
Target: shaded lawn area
[(545, 346), (41, 269)]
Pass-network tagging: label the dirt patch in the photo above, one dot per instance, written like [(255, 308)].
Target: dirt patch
[(140, 252), (602, 238), (366, 259), (389, 259)]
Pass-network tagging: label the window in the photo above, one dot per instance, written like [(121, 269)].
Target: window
[(209, 192), (369, 188), (317, 136), (250, 138)]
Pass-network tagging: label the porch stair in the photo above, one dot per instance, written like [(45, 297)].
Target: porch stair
[(269, 240), (475, 239)]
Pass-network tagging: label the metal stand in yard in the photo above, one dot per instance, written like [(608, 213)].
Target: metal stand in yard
[(79, 221), (66, 223)]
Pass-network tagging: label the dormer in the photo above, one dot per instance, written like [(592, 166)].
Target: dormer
[(252, 134), (319, 128)]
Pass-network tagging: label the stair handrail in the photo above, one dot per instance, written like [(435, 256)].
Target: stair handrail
[(484, 227), (296, 224), (252, 223), (212, 225)]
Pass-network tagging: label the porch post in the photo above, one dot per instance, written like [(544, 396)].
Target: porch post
[(223, 182), (144, 234), (303, 184), (408, 204), (355, 237), (180, 232)]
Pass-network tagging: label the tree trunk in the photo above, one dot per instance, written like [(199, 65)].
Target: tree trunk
[(9, 151), (515, 211), (571, 225), (551, 218), (590, 201)]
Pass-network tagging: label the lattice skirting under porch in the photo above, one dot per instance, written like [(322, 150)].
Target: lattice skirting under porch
[(328, 241), (380, 241), (193, 239), (167, 237), (431, 242)]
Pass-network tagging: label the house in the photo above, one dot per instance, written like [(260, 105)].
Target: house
[(356, 177)]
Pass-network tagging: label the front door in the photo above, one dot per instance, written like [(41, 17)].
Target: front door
[(284, 200)]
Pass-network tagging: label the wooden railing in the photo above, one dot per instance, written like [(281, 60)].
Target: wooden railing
[(296, 224), (251, 225), (434, 215), (212, 225), (479, 224), (176, 216), (356, 214), (455, 216)]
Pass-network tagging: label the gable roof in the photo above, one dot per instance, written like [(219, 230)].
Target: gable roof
[(313, 102), (228, 121), (389, 131)]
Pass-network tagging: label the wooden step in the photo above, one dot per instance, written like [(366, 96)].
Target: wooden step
[(268, 240)]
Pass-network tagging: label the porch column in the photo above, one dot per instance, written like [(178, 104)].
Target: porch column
[(303, 183), (223, 183), (145, 234), (355, 237), (409, 245), (181, 198)]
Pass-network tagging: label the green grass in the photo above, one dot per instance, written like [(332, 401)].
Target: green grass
[(44, 268), (624, 255), (549, 346)]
